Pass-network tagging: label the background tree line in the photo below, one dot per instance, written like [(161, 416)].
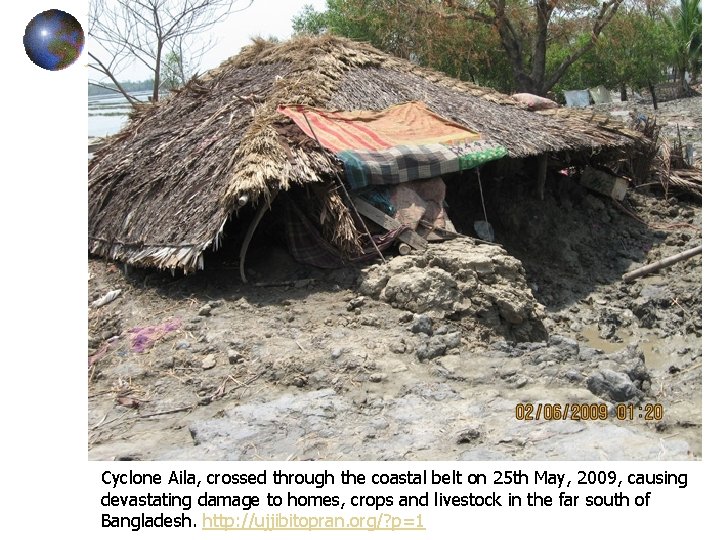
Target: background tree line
[(129, 86), (533, 46)]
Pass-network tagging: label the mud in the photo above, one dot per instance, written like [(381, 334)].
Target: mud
[(424, 358)]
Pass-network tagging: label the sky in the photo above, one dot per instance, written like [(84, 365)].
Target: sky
[(263, 18)]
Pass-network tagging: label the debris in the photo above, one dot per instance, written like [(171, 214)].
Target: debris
[(109, 297), (143, 338), (98, 355), (128, 401), (209, 362), (435, 347), (662, 263), (614, 386), (467, 436), (356, 303), (404, 249), (234, 357), (408, 236), (605, 183), (423, 324)]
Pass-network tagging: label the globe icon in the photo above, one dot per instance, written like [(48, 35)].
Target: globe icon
[(53, 39)]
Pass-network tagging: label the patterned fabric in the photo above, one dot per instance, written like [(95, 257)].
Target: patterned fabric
[(307, 245), (400, 144), (398, 164), (406, 123), (407, 163), (474, 158)]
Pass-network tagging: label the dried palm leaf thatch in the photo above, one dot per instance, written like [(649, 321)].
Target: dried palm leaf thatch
[(161, 190), (673, 173)]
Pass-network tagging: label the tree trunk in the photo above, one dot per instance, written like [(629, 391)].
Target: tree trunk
[(543, 12), (654, 97), (623, 92), (156, 83)]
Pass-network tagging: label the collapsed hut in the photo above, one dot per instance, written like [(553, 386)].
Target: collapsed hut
[(239, 140)]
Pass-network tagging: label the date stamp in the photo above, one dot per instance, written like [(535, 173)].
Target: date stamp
[(650, 412)]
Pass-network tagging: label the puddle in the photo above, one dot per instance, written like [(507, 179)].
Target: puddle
[(651, 346)]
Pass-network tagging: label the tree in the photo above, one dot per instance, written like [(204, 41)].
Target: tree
[(460, 48), (526, 31), (636, 54), (309, 21), (686, 28), (151, 32), (523, 30), (173, 71)]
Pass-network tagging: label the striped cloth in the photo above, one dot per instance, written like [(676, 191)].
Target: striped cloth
[(407, 123), (402, 143)]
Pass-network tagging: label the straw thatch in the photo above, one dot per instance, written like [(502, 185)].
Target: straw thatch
[(161, 190)]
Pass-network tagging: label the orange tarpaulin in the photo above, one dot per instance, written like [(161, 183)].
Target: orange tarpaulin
[(409, 123)]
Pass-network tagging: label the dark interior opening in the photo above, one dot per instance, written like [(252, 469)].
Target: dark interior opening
[(267, 255)]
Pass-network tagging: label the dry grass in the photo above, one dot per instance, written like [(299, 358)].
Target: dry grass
[(161, 191)]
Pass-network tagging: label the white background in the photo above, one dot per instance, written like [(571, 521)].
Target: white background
[(47, 485)]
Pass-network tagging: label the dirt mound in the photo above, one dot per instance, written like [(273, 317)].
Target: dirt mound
[(458, 280)]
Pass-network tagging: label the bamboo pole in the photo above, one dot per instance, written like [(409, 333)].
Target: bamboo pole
[(662, 263)]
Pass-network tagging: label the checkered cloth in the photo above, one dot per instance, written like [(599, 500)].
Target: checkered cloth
[(397, 164), (307, 245), (414, 162)]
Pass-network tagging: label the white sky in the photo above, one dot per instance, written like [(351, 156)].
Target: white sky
[(263, 18)]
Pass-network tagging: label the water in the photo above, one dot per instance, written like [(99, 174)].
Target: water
[(107, 113), (657, 352), (102, 126)]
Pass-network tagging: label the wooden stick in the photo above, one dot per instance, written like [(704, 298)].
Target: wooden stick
[(172, 411), (662, 263), (248, 236), (388, 223), (455, 234)]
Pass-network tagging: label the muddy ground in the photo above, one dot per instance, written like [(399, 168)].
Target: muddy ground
[(423, 358)]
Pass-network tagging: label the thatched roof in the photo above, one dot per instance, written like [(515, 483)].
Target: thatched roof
[(161, 190)]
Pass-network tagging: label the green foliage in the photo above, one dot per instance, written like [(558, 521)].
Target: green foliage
[(171, 71), (589, 70), (309, 21), (635, 53), (634, 50), (685, 26), (459, 47)]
